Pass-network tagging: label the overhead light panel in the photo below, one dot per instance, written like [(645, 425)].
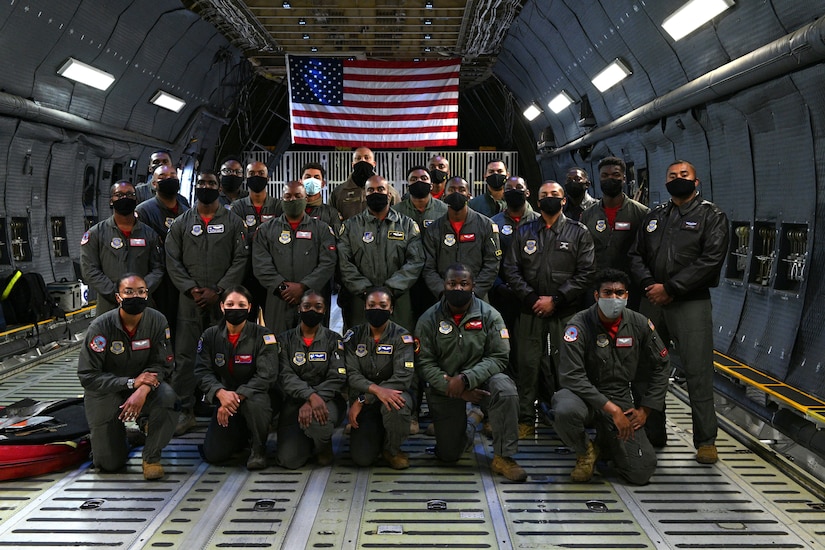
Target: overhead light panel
[(560, 102), (531, 112), (167, 101), (85, 74), (612, 75), (693, 15)]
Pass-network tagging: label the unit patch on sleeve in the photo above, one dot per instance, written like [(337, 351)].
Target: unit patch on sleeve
[(571, 334), (98, 344)]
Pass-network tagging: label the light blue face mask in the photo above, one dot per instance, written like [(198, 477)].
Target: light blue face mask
[(312, 186), (612, 308)]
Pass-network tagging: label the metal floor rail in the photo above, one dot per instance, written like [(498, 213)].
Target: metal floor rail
[(741, 502)]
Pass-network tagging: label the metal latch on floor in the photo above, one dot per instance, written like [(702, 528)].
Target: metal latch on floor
[(264, 505), (596, 506), (92, 504), (436, 504)]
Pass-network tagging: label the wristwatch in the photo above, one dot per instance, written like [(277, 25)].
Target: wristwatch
[(362, 398), (130, 383)]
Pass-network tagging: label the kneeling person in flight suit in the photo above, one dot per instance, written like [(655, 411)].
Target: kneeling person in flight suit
[(380, 369), (603, 348), (464, 346), (312, 377), (236, 365), (124, 363)]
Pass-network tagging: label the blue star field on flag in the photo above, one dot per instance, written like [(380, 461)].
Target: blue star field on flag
[(317, 81)]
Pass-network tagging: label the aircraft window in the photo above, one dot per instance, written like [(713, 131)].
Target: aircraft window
[(60, 245), (89, 188), (5, 258), (21, 249)]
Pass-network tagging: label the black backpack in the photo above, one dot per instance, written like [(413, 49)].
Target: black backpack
[(26, 300)]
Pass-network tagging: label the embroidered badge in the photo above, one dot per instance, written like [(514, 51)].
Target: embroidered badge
[(168, 333), (348, 335), (650, 324), (651, 226), (417, 346), (368, 237), (407, 338), (200, 345), (85, 238), (138, 345), (467, 238), (340, 345), (395, 235), (495, 228), (428, 223), (285, 238), (250, 220), (220, 360), (243, 360), (384, 349), (117, 347), (317, 356), (602, 340), (444, 327), (506, 229), (266, 217), (137, 242), (361, 350), (530, 247), (622, 226), (342, 370), (303, 235), (504, 333), (197, 230), (98, 344), (564, 245), (299, 358), (270, 339), (449, 239), (409, 365), (168, 222), (624, 342), (663, 352), (117, 243), (601, 225), (571, 334), (212, 229), (473, 325)]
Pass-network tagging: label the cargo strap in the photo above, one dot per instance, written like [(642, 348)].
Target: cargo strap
[(10, 285)]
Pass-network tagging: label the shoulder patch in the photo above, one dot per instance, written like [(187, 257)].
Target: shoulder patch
[(650, 324), (270, 339), (417, 347), (348, 335), (98, 344), (407, 338), (168, 333), (200, 345), (505, 334), (85, 238), (340, 345), (571, 334), (495, 227)]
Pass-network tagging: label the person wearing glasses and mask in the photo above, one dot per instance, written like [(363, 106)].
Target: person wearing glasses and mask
[(380, 373), (236, 367), (205, 253), (117, 245), (603, 349), (124, 367), (312, 378), (231, 181)]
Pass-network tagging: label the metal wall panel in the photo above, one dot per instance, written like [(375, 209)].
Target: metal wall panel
[(747, 26)]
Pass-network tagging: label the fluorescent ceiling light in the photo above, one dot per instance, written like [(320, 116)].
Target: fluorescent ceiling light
[(612, 75), (85, 74), (560, 102), (531, 112), (167, 101), (693, 15)]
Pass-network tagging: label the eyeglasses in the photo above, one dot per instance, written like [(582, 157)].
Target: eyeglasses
[(610, 292), (230, 172), (130, 195), (131, 292)]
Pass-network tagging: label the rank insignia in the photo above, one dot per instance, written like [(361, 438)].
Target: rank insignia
[(506, 229), (449, 239), (197, 230), (601, 225), (361, 350), (220, 360), (342, 370), (368, 237), (651, 226), (117, 242), (117, 347), (299, 358), (285, 238), (530, 247), (444, 327), (409, 365)]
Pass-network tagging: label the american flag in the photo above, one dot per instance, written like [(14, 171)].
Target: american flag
[(385, 104)]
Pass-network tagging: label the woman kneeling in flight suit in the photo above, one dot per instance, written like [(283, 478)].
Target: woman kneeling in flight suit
[(312, 377), (380, 372), (236, 365)]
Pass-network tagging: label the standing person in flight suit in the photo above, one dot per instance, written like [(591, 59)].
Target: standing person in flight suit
[(380, 373), (349, 198), (461, 236), (603, 349), (492, 201), (236, 366), (158, 213), (312, 378), (205, 254), (255, 209), (549, 266), (439, 170), (517, 213), (463, 351), (120, 244), (124, 367), (379, 247), (291, 254), (677, 257), (231, 181), (576, 188), (145, 191), (313, 176), (614, 221)]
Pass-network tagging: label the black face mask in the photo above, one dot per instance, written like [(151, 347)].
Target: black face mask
[(235, 316), (169, 187), (377, 202), (456, 201), (574, 190), (311, 318), (496, 181), (515, 198), (125, 206), (134, 305), (550, 205), (377, 317), (206, 195), (458, 298), (438, 176), (419, 189), (231, 183), (256, 184), (361, 172), (680, 187), (612, 187)]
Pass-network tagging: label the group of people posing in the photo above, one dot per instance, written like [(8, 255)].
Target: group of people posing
[(484, 306)]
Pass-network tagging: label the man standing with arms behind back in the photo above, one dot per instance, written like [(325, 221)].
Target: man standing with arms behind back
[(677, 258)]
